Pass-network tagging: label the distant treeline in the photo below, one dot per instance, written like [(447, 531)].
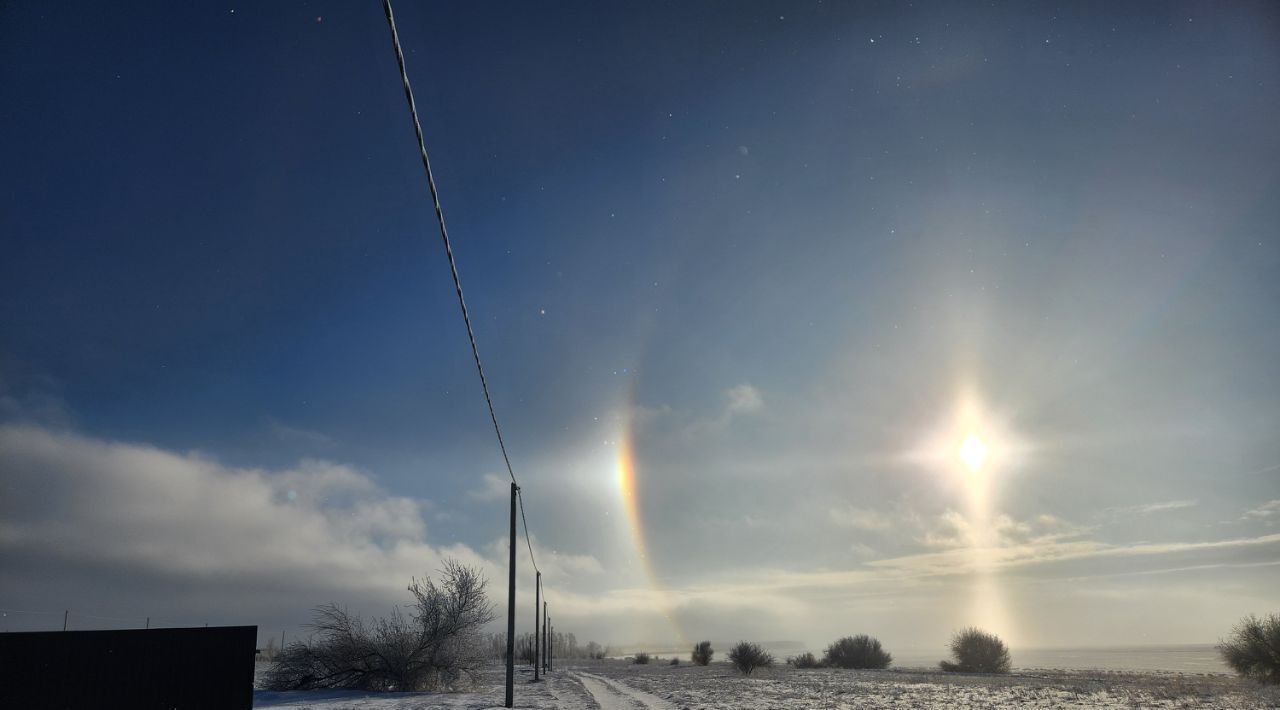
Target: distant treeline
[(564, 645)]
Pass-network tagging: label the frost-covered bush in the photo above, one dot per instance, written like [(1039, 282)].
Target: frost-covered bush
[(805, 660), (747, 657), (859, 651), (702, 653), (1253, 649), (976, 651), (436, 646), (674, 662), (641, 658)]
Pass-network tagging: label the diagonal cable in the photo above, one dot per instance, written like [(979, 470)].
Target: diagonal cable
[(532, 561), (444, 233), (453, 266)]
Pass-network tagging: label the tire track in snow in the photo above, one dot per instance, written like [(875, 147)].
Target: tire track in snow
[(612, 695), (568, 692)]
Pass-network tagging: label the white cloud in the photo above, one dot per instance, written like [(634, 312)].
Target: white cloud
[(183, 532), (36, 403), (1147, 508), (1264, 511), (321, 531), (743, 399), (185, 515), (297, 435), (954, 530), (492, 487), (860, 518)]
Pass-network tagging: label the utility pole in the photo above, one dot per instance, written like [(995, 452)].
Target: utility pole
[(545, 629), (511, 603), (65, 614), (148, 622), (537, 637)]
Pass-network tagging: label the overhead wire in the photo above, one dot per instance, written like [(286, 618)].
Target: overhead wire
[(453, 266)]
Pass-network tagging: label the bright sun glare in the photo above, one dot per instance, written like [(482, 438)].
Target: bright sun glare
[(973, 452)]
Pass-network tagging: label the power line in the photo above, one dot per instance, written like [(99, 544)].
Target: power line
[(453, 266), (532, 561), (444, 233)]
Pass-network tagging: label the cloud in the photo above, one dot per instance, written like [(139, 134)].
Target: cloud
[(953, 530), (860, 518), (492, 488), (740, 400), (33, 400), (183, 536), (74, 500), (743, 399), (1148, 508), (153, 527), (1051, 549), (1263, 512), (296, 435)]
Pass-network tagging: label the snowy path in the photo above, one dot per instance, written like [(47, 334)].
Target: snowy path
[(612, 695)]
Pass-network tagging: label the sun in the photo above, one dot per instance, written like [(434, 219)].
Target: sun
[(973, 452)]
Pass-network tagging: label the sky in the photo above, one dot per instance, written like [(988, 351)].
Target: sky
[(745, 277)]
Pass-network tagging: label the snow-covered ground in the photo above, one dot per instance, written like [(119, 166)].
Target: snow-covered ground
[(617, 685)]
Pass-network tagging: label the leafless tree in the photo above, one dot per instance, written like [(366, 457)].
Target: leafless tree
[(1253, 650), (747, 657), (702, 653), (859, 651), (437, 646), (805, 660), (976, 651)]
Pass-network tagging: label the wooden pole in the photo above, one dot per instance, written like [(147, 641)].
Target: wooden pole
[(537, 609), (511, 604), (65, 614), (545, 629)]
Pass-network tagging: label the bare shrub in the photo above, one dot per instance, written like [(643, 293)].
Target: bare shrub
[(805, 660), (859, 651), (674, 662), (747, 657), (976, 651), (702, 653), (642, 658), (1253, 649), (437, 646)]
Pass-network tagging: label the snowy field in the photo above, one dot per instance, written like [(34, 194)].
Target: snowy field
[(617, 685)]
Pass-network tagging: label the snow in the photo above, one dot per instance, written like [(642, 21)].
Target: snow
[(612, 695), (617, 685)]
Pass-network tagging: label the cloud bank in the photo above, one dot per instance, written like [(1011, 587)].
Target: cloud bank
[(126, 527)]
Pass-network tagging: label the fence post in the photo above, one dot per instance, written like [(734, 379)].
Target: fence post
[(511, 604)]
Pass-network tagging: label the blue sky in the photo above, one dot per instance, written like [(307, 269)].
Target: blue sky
[(789, 247)]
